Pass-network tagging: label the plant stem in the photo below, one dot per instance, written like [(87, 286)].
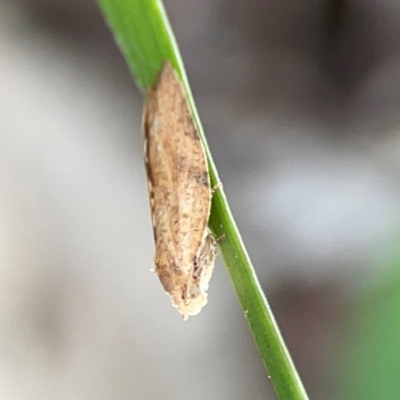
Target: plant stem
[(145, 37)]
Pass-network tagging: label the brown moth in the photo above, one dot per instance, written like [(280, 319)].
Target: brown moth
[(180, 195)]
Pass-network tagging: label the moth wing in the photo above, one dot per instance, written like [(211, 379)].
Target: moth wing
[(179, 188)]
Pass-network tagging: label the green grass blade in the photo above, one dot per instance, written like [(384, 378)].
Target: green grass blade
[(143, 33)]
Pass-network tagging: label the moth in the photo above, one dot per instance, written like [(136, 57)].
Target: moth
[(180, 195)]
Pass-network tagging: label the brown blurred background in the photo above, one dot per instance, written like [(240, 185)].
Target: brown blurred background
[(299, 100)]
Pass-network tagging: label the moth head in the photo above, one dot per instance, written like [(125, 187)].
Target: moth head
[(196, 295), (191, 302)]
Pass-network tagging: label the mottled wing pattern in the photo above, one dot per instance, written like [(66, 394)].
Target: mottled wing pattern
[(179, 189)]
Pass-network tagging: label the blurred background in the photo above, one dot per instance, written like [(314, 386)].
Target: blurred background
[(299, 101)]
